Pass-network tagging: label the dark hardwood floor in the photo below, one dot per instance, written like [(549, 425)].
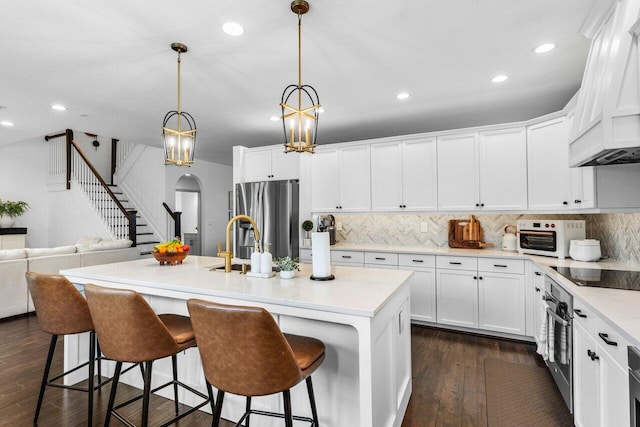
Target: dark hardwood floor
[(448, 380)]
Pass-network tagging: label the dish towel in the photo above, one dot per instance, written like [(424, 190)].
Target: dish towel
[(543, 324)]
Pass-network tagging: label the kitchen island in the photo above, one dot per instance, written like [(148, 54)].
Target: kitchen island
[(362, 316)]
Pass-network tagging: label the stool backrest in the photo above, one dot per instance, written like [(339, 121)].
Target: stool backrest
[(242, 349), (60, 307), (127, 327)]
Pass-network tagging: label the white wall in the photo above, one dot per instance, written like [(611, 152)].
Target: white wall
[(215, 181), (23, 176), (99, 157)]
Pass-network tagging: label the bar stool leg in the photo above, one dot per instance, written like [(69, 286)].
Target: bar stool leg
[(146, 393), (92, 363), (218, 409), (247, 409), (211, 400), (98, 355), (288, 416), (174, 362), (112, 396), (45, 376), (312, 401)]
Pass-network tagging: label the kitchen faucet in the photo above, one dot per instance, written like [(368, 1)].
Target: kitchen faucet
[(227, 254)]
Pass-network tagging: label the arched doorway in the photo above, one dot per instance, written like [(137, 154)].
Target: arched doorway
[(189, 203)]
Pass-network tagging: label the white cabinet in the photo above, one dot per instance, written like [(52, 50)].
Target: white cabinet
[(503, 165), (537, 307), (347, 258), (483, 171), (601, 393), (423, 285), (552, 184), (481, 293), (457, 172), (403, 176), (270, 164), (340, 180), (501, 295)]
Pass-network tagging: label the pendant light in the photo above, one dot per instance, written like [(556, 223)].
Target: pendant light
[(300, 120), (179, 128)]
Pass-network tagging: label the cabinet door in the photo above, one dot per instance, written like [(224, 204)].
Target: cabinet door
[(614, 392), (325, 181), (419, 175), (457, 172), (284, 165), (257, 165), (457, 297), (423, 294), (538, 307), (503, 169), (583, 188), (355, 179), (501, 302), (548, 160), (386, 177), (586, 383)]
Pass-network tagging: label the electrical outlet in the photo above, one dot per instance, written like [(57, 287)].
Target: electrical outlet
[(424, 227), (338, 225)]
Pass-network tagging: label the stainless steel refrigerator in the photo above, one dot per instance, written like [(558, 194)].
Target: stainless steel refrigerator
[(274, 207)]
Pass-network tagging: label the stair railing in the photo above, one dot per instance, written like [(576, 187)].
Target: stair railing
[(176, 216)]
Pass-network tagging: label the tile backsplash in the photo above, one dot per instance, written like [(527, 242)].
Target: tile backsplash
[(619, 234)]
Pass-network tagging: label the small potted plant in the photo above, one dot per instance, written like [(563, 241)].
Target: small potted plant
[(287, 266), (10, 210), (307, 226)]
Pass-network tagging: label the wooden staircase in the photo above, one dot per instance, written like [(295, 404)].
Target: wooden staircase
[(145, 237)]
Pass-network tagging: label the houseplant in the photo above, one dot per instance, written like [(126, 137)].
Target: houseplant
[(307, 226), (10, 210), (287, 266)]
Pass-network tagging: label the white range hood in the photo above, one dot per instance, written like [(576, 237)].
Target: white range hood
[(606, 125)]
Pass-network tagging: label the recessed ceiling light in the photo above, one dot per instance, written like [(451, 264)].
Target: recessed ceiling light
[(233, 29), (544, 48), (403, 95), (499, 78), (274, 118), (321, 110), (58, 107), (6, 123)]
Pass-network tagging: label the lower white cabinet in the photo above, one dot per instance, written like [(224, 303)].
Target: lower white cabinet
[(538, 307), (423, 285), (601, 380), (457, 297), (501, 302), (347, 258)]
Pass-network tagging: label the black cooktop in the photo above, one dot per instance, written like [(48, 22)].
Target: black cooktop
[(593, 277)]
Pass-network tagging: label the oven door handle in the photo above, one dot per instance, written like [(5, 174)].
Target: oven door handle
[(557, 318), (537, 233)]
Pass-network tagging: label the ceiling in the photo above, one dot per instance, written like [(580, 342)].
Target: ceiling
[(111, 64)]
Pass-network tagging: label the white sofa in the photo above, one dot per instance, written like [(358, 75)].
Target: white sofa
[(14, 263)]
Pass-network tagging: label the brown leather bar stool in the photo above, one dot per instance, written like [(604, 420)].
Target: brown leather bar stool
[(130, 331), (244, 352), (62, 310)]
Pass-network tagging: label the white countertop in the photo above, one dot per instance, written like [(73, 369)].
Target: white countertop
[(355, 291), (620, 307)]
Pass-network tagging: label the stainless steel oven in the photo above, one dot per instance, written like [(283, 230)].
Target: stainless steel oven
[(559, 338), (634, 385)]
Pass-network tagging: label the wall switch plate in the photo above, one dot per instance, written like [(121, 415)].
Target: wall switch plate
[(338, 225), (424, 227)]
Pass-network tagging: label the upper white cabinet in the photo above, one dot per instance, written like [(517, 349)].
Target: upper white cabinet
[(270, 164), (340, 179), (483, 171), (457, 172), (403, 176)]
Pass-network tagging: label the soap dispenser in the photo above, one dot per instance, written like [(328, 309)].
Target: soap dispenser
[(256, 258), (266, 260)]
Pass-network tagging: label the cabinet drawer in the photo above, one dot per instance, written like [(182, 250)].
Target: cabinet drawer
[(457, 262), (585, 316), (305, 254), (612, 342), (381, 258), (501, 265), (411, 260), (350, 257)]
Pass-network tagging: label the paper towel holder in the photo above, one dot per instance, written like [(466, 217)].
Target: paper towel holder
[(329, 277)]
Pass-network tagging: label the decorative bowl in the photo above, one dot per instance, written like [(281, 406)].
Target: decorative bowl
[(171, 259)]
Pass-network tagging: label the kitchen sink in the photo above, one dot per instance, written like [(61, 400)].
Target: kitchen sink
[(234, 267)]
